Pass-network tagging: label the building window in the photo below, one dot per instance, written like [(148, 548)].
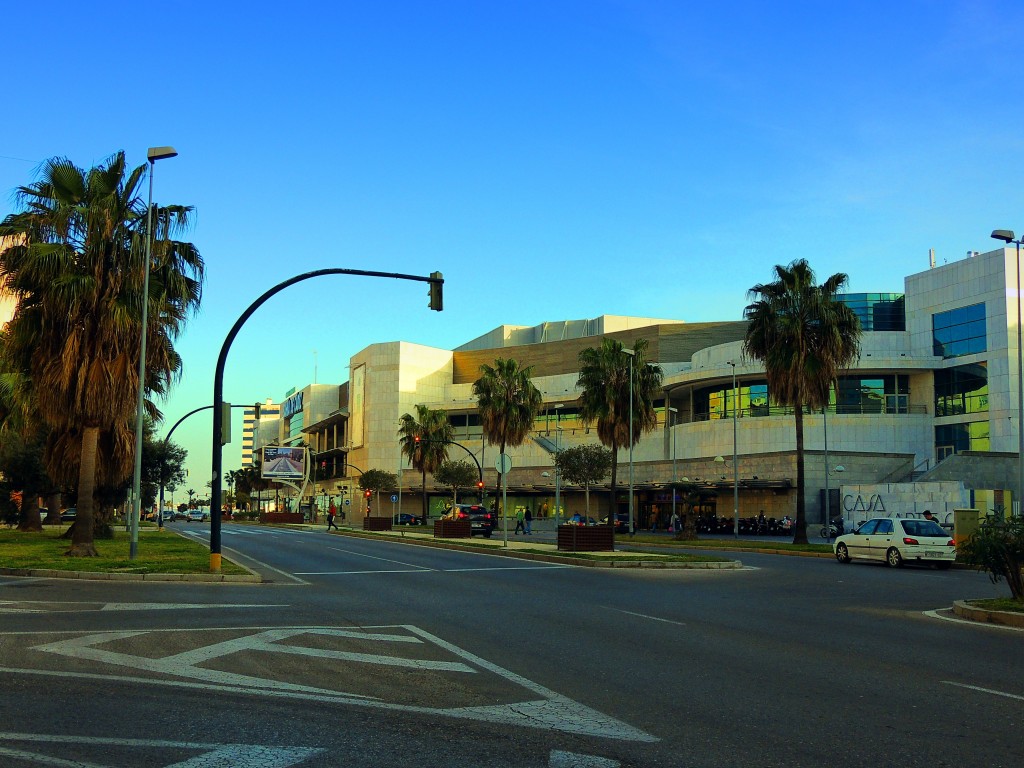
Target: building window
[(872, 394), (955, 438), (960, 390), (717, 402), (959, 331), (877, 311)]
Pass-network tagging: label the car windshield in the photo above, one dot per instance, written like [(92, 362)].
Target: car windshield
[(924, 528)]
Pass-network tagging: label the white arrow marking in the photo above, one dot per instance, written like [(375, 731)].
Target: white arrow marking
[(559, 759)]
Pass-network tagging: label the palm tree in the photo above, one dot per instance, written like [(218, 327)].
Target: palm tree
[(77, 268), (507, 401), (804, 336), (424, 440), (604, 382)]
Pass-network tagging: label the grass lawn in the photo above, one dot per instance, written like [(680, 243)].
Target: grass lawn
[(165, 552), (999, 604), (781, 546)]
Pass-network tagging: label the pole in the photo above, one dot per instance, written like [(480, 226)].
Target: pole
[(1020, 400), (735, 457), (672, 417), (828, 511), (631, 528), (558, 441)]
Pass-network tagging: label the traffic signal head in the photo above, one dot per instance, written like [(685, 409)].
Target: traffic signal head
[(436, 291), (256, 412), (367, 493), (480, 484)]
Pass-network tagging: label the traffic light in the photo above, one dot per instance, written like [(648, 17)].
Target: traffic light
[(436, 291), (480, 484), (367, 493), (256, 412)]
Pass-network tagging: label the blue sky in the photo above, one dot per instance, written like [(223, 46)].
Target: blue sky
[(555, 160)]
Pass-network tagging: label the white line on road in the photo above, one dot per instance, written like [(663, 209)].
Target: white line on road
[(984, 690), (559, 759), (645, 616), (382, 559)]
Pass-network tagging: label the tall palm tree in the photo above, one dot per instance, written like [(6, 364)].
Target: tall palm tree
[(507, 401), (78, 269), (424, 440), (605, 387), (804, 336)]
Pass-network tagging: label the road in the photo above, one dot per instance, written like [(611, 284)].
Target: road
[(370, 653)]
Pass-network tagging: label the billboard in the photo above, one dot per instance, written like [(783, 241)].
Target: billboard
[(280, 463)]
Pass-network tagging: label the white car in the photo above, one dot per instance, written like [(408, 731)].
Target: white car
[(198, 516), (896, 541)]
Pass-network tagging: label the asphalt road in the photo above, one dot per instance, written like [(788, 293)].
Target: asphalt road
[(370, 653)]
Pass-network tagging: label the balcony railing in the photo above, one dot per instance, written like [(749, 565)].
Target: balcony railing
[(865, 409)]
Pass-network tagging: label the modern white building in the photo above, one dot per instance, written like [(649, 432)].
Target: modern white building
[(927, 417)]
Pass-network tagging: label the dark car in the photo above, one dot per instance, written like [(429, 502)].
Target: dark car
[(621, 522), (481, 519), (406, 519), (69, 515)]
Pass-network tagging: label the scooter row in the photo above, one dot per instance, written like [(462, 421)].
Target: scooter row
[(748, 526)]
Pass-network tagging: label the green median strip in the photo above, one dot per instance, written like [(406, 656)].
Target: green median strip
[(158, 552)]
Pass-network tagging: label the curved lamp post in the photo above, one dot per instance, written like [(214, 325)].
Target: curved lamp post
[(1007, 236)]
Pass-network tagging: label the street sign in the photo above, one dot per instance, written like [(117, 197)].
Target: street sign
[(503, 463), (347, 502), (394, 497)]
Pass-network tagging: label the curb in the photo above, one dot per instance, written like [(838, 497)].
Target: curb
[(49, 573), (1005, 618), (557, 559)]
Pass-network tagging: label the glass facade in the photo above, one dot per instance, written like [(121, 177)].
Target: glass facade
[(960, 390), (872, 394), (954, 438), (717, 402), (959, 331), (877, 311)]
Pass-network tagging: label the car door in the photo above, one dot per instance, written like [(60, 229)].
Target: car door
[(857, 542), (880, 540)]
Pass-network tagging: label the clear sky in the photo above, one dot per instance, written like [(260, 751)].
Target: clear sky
[(555, 159)]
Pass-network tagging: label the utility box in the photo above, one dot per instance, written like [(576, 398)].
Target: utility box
[(965, 523)]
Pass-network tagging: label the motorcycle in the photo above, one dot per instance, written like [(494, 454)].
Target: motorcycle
[(835, 528)]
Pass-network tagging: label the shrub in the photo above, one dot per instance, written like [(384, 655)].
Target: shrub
[(997, 547)]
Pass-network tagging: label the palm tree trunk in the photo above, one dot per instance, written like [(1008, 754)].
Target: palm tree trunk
[(29, 519), (424, 488), (800, 526), (82, 534), (613, 507)]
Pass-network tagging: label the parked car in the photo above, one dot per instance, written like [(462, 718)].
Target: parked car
[(621, 522), (198, 515), (406, 519), (897, 541), (482, 521), (69, 515)]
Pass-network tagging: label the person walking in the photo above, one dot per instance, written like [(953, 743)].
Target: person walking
[(674, 525), (528, 519), (520, 518), (331, 512)]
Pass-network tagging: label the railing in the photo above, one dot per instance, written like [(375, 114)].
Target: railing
[(756, 411)]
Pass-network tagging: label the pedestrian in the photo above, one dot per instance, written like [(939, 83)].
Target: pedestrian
[(929, 516), (331, 512), (528, 519), (520, 519), (674, 525)]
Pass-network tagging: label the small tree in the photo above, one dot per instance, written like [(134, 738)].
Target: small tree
[(455, 475), (376, 481), (688, 496), (584, 465), (998, 548)]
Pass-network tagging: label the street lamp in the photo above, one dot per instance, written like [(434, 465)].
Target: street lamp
[(735, 455), (1006, 235), (154, 154), (558, 433), (632, 354)]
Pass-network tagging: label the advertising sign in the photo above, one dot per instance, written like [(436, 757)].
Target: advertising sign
[(280, 463)]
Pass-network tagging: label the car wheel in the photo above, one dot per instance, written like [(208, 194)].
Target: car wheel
[(943, 565), (842, 553), (894, 558)]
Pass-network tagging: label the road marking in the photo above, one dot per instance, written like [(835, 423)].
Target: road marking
[(558, 759), (12, 606), (645, 616), (984, 690), (212, 755), (532, 706), (349, 573), (383, 559), (434, 570), (509, 568), (937, 614)]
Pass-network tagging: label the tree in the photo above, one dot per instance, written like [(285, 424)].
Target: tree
[(77, 268), (997, 547), (584, 465), (378, 481), (191, 492), (688, 494), (424, 440), (507, 401), (455, 475), (604, 382), (803, 335)]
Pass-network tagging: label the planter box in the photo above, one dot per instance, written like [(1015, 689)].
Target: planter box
[(452, 529), (376, 523), (586, 538), (282, 517)]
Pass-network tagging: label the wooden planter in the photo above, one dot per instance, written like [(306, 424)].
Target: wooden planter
[(376, 523), (586, 538), (282, 517), (452, 529)]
